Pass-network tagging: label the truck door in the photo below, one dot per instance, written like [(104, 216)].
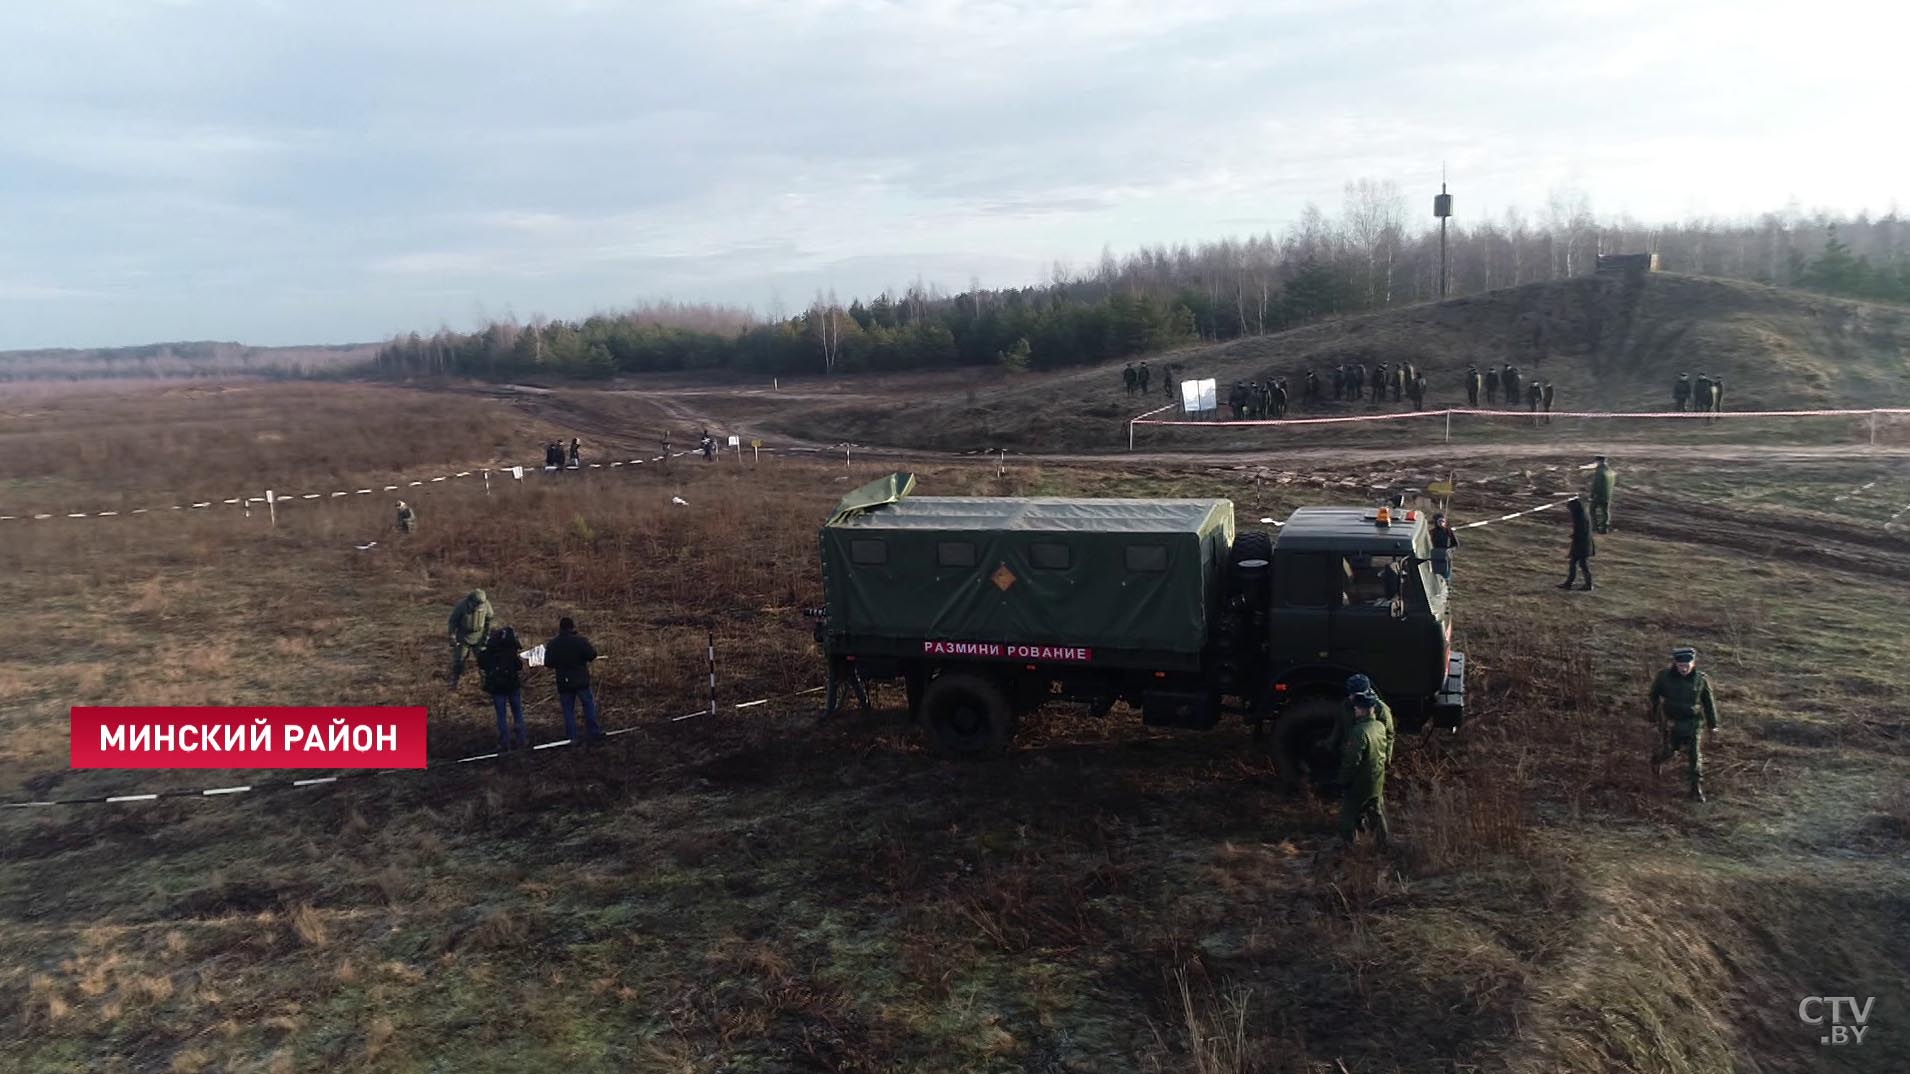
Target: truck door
[(1363, 615), (1305, 592)]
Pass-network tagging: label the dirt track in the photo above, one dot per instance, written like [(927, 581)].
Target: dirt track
[(569, 409)]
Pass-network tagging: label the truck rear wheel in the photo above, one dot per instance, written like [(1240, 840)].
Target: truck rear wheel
[(967, 715), (1303, 744)]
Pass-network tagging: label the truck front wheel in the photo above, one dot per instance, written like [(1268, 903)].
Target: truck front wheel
[(1303, 744), (967, 715)]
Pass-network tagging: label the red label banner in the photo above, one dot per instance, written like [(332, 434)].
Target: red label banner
[(248, 737)]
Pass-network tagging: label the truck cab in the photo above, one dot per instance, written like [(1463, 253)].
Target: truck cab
[(1353, 591)]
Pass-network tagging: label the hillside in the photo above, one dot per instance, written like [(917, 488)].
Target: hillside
[(192, 359), (1612, 345)]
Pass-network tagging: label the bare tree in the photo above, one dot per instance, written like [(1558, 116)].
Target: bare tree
[(825, 321)]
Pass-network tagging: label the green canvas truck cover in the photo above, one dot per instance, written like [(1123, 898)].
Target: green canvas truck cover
[(1076, 573)]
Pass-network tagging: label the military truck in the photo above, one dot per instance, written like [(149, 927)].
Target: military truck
[(987, 608)]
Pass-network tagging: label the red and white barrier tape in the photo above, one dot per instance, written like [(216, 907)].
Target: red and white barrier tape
[(1688, 415)]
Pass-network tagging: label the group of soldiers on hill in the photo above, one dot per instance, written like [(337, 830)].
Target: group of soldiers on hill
[(1258, 400), (1352, 381), (1538, 394), (1705, 395), (1136, 379), (1355, 381), (1402, 382)]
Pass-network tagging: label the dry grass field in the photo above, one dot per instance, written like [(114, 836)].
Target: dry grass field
[(764, 891)]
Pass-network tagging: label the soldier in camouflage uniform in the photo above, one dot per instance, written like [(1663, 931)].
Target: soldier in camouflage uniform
[(1603, 482), (1472, 386), (407, 518), (1681, 391), (1380, 377), (470, 627), (1364, 754), (1680, 696), (1492, 387), (1358, 686)]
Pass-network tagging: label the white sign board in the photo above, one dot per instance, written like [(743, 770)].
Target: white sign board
[(1190, 396), (1209, 395), (736, 441)]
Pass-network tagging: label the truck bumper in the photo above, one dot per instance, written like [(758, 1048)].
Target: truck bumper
[(1448, 708)]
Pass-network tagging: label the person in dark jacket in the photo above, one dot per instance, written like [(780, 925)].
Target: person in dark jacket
[(1445, 541), (1582, 549), (502, 663), (568, 656), (576, 454)]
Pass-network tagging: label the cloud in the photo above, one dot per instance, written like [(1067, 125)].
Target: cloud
[(361, 167)]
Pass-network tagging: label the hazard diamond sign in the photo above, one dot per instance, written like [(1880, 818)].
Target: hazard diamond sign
[(1003, 578)]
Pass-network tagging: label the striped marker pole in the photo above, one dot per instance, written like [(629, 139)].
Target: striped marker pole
[(712, 658)]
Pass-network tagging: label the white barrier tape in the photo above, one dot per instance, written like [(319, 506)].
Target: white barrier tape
[(290, 498), (130, 798), (226, 790), (314, 782)]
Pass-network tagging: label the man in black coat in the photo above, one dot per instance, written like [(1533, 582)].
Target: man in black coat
[(502, 663), (1582, 547), (568, 655)]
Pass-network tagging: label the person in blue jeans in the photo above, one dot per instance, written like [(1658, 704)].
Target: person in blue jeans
[(502, 664), (568, 655)]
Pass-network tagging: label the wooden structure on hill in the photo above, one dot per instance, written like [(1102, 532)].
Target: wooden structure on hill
[(1626, 264)]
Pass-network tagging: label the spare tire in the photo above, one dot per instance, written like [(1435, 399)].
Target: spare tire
[(1251, 545), (1304, 744), (967, 715)]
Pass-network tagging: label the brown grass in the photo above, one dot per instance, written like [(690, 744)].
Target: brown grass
[(764, 891)]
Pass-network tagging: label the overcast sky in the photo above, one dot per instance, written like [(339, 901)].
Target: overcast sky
[(295, 171)]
